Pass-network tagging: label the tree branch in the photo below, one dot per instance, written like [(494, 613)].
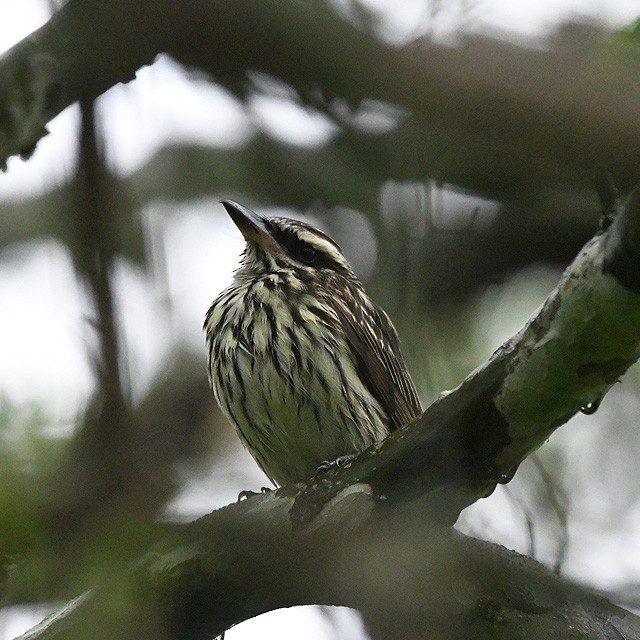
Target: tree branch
[(407, 577), (577, 346), (85, 48), (537, 124)]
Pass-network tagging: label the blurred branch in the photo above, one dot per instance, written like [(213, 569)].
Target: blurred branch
[(483, 109), (556, 502), (512, 123), (119, 464), (410, 580), (85, 48), (528, 227), (94, 254), (52, 215), (95, 473)]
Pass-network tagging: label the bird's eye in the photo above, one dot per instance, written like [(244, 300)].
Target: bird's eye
[(307, 254)]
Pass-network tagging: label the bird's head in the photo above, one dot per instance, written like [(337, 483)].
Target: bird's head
[(283, 243)]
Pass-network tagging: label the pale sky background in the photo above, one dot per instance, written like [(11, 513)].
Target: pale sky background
[(38, 288)]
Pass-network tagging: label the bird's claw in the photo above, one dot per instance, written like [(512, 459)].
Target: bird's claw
[(244, 495), (328, 465)]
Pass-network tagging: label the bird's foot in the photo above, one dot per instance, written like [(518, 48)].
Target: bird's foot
[(340, 461), (243, 495)]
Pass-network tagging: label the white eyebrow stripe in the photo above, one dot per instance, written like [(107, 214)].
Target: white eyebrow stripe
[(325, 246)]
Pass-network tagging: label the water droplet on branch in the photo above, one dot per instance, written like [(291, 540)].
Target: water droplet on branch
[(591, 407)]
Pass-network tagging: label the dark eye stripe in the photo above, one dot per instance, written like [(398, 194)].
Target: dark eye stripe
[(302, 251)]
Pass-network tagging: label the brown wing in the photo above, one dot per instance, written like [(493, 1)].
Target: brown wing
[(376, 348)]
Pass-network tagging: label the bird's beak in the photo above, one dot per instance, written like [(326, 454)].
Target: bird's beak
[(251, 226)]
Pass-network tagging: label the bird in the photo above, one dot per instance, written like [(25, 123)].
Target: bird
[(304, 364)]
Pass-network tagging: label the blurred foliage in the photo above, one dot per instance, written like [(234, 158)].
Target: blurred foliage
[(27, 456)]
